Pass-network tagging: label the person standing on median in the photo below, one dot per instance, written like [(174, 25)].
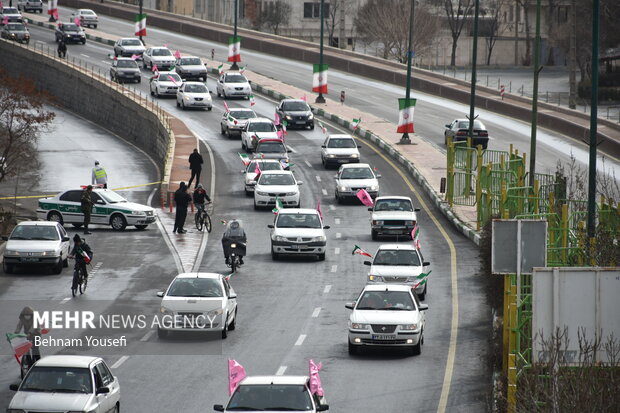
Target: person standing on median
[(87, 206), (182, 200), (195, 165), (100, 177)]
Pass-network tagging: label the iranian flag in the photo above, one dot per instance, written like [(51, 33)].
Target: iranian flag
[(19, 344), (319, 79), (357, 250), (52, 8), (422, 277), (244, 158), (355, 123), (278, 207), (252, 101), (405, 116), (234, 49), (140, 24)]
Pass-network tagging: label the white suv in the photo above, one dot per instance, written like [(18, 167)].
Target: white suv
[(256, 129), (399, 264), (276, 185), (339, 149), (298, 232), (392, 215), (353, 177)]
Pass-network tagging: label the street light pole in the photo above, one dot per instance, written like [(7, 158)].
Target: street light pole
[(537, 70), (234, 65), (141, 3), (593, 124), (320, 98), (474, 57), (405, 138)]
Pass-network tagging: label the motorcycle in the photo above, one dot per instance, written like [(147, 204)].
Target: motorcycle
[(236, 252)]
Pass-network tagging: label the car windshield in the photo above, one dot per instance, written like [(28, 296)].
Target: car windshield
[(131, 42), (279, 397), (356, 173), (295, 106), (264, 166), (270, 147), (195, 287), (298, 221), (169, 77), (397, 257), (10, 10), (394, 205), (111, 197), (58, 380), (190, 61), (127, 64), (386, 300), (34, 232), (276, 179), (242, 114), (465, 124), (70, 27), (88, 12), (341, 143), (18, 27), (196, 89), (161, 52), (261, 127), (235, 79)]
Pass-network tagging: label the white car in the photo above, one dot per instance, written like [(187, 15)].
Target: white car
[(392, 215), (387, 315), (39, 243), (256, 129), (233, 84), (67, 384), (339, 149), (160, 56), (198, 302), (30, 5), (109, 209), (194, 95), (165, 84), (274, 394), (249, 173), (272, 185), (88, 18), (11, 13), (353, 177), (298, 232), (273, 149), (128, 46), (401, 264), (191, 68), (234, 121)]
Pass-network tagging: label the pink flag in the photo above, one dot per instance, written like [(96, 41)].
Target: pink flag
[(55, 14), (315, 379), (257, 171), (280, 134), (1, 5), (154, 68), (177, 54), (365, 197), (5, 20), (77, 21), (135, 56), (304, 98), (226, 107), (236, 373), (170, 78), (318, 208), (276, 120)]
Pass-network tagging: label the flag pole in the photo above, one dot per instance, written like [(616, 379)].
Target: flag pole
[(141, 4), (234, 66), (405, 138), (320, 98)]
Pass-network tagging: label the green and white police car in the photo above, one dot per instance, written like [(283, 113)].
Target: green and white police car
[(109, 209)]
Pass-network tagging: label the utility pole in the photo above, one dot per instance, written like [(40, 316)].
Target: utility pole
[(572, 57), (320, 98), (141, 1), (234, 66), (516, 16), (342, 41), (474, 58), (405, 138), (593, 123), (537, 70)]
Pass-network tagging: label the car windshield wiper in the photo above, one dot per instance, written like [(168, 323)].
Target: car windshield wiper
[(244, 408), (67, 391), (35, 389), (19, 238), (365, 308), (43, 239), (393, 309), (286, 409)]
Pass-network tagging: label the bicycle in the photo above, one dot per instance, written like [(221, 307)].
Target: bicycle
[(80, 281), (202, 219)]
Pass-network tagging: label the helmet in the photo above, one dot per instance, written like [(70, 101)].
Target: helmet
[(199, 186), (96, 162)]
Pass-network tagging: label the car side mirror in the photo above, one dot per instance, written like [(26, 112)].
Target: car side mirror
[(370, 209), (359, 146), (423, 307), (218, 407), (322, 407), (14, 386), (426, 263), (447, 126), (103, 390), (300, 182), (100, 202), (416, 209), (160, 293), (65, 239), (378, 176), (5, 238), (243, 171), (323, 146), (232, 295), (288, 151), (326, 227), (270, 226), (367, 263), (349, 305)]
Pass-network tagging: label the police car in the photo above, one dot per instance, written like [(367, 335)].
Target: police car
[(109, 209)]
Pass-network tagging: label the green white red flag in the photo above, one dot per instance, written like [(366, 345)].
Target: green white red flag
[(244, 158), (359, 251), (20, 345), (252, 101), (140, 21), (405, 115), (52, 8), (220, 69), (356, 123), (234, 49), (319, 78), (422, 277), (415, 236), (278, 207)]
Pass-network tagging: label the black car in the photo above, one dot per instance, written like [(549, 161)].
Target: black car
[(71, 33), (15, 31), (124, 69), (296, 113), (459, 129)]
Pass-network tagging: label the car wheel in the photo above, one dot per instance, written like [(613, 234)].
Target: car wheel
[(183, 105), (65, 262), (243, 145), (139, 80), (178, 104), (156, 92), (422, 296), (352, 349), (218, 93), (57, 269), (140, 227), (161, 333), (144, 65), (55, 216), (233, 325), (225, 329), (8, 268), (115, 53), (83, 41), (312, 126), (117, 408), (222, 130), (95, 26), (152, 94), (321, 257), (210, 108), (274, 256), (247, 193), (417, 349), (224, 94), (256, 207), (118, 222), (373, 235)]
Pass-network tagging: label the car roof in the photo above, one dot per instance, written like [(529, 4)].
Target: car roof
[(276, 172), (291, 211), (355, 165), (190, 57), (299, 380), (67, 361), (379, 198), (340, 136), (129, 38), (233, 72), (86, 10), (195, 83), (387, 287), (211, 275), (124, 58), (407, 247), (260, 119), (160, 47), (243, 110), (38, 223), (293, 100)]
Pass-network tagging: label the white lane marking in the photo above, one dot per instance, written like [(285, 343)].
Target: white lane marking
[(336, 250), (318, 178), (147, 335), (334, 269), (85, 55), (281, 371), (309, 164), (316, 312), (300, 340), (338, 235), (327, 288), (324, 191), (292, 150), (64, 300), (337, 221), (332, 207), (119, 362)]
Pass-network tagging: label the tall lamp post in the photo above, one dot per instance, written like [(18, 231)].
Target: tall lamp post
[(141, 4), (537, 69), (474, 58), (405, 138), (593, 125), (320, 98), (234, 65)]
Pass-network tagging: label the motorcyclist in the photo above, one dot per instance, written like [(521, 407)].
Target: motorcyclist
[(200, 196), (26, 323), (82, 253), (62, 48), (234, 234)]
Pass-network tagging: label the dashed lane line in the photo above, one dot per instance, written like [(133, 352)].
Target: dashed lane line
[(318, 178), (338, 235), (308, 163), (300, 340), (64, 300), (337, 221), (336, 250), (334, 268), (327, 289), (148, 335), (316, 312), (332, 207), (324, 191), (281, 371), (119, 362)]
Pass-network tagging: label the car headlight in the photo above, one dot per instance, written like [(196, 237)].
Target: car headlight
[(11, 252), (331, 155), (48, 253), (68, 35), (375, 278), (137, 213), (409, 223), (187, 98), (215, 312), (373, 188), (360, 326), (377, 222), (409, 327), (261, 193), (290, 193), (354, 155), (343, 188), (320, 238), (288, 117), (165, 311), (279, 238), (311, 116)]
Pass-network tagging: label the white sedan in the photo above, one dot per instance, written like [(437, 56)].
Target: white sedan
[(194, 95), (256, 129), (249, 173), (160, 56), (387, 315), (165, 84), (233, 84), (39, 243), (234, 121), (276, 185), (353, 177), (198, 302)]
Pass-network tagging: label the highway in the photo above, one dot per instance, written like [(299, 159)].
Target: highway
[(289, 311)]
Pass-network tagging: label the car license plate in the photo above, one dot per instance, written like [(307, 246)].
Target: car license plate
[(342, 160), (301, 122), (383, 337), (29, 260), (272, 200), (393, 231)]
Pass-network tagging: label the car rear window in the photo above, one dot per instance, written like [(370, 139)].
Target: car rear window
[(127, 64), (270, 147), (341, 143), (261, 127), (273, 397), (71, 196), (397, 257)]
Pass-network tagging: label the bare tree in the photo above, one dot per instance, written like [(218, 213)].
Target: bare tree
[(457, 12), (275, 14), (22, 118), (371, 22), (492, 26)]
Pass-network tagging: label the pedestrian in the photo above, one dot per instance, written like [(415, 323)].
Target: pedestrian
[(62, 48), (195, 165), (100, 177), (182, 200), (87, 206)]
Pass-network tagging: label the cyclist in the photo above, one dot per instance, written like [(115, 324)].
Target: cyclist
[(200, 196), (26, 322), (82, 253)]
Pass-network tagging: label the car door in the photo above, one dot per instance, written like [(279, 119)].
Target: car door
[(181, 93), (111, 382), (70, 207), (147, 57), (100, 213), (114, 67), (324, 148), (231, 303), (65, 245), (220, 84)]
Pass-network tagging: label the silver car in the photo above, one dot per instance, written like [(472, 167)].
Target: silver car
[(298, 232), (159, 56), (88, 18), (194, 95), (191, 68), (15, 31), (353, 177), (249, 173), (233, 122), (233, 84), (11, 14), (339, 149), (30, 5), (128, 47)]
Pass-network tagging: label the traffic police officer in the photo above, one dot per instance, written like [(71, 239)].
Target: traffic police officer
[(100, 177)]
